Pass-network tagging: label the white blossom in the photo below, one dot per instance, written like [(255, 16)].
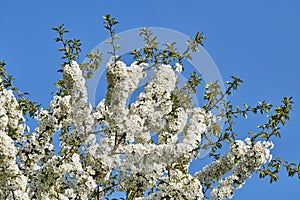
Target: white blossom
[(115, 139)]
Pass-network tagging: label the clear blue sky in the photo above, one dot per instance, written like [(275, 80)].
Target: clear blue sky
[(255, 40)]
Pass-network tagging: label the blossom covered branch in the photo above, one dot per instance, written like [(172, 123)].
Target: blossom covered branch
[(142, 147)]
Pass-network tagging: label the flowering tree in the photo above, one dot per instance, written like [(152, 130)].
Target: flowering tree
[(111, 147)]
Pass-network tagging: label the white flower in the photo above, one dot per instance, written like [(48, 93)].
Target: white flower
[(178, 67)]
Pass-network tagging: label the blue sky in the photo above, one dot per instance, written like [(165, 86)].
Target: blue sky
[(255, 40)]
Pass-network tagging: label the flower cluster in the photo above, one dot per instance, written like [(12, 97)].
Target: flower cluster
[(13, 183), (243, 159), (11, 117)]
